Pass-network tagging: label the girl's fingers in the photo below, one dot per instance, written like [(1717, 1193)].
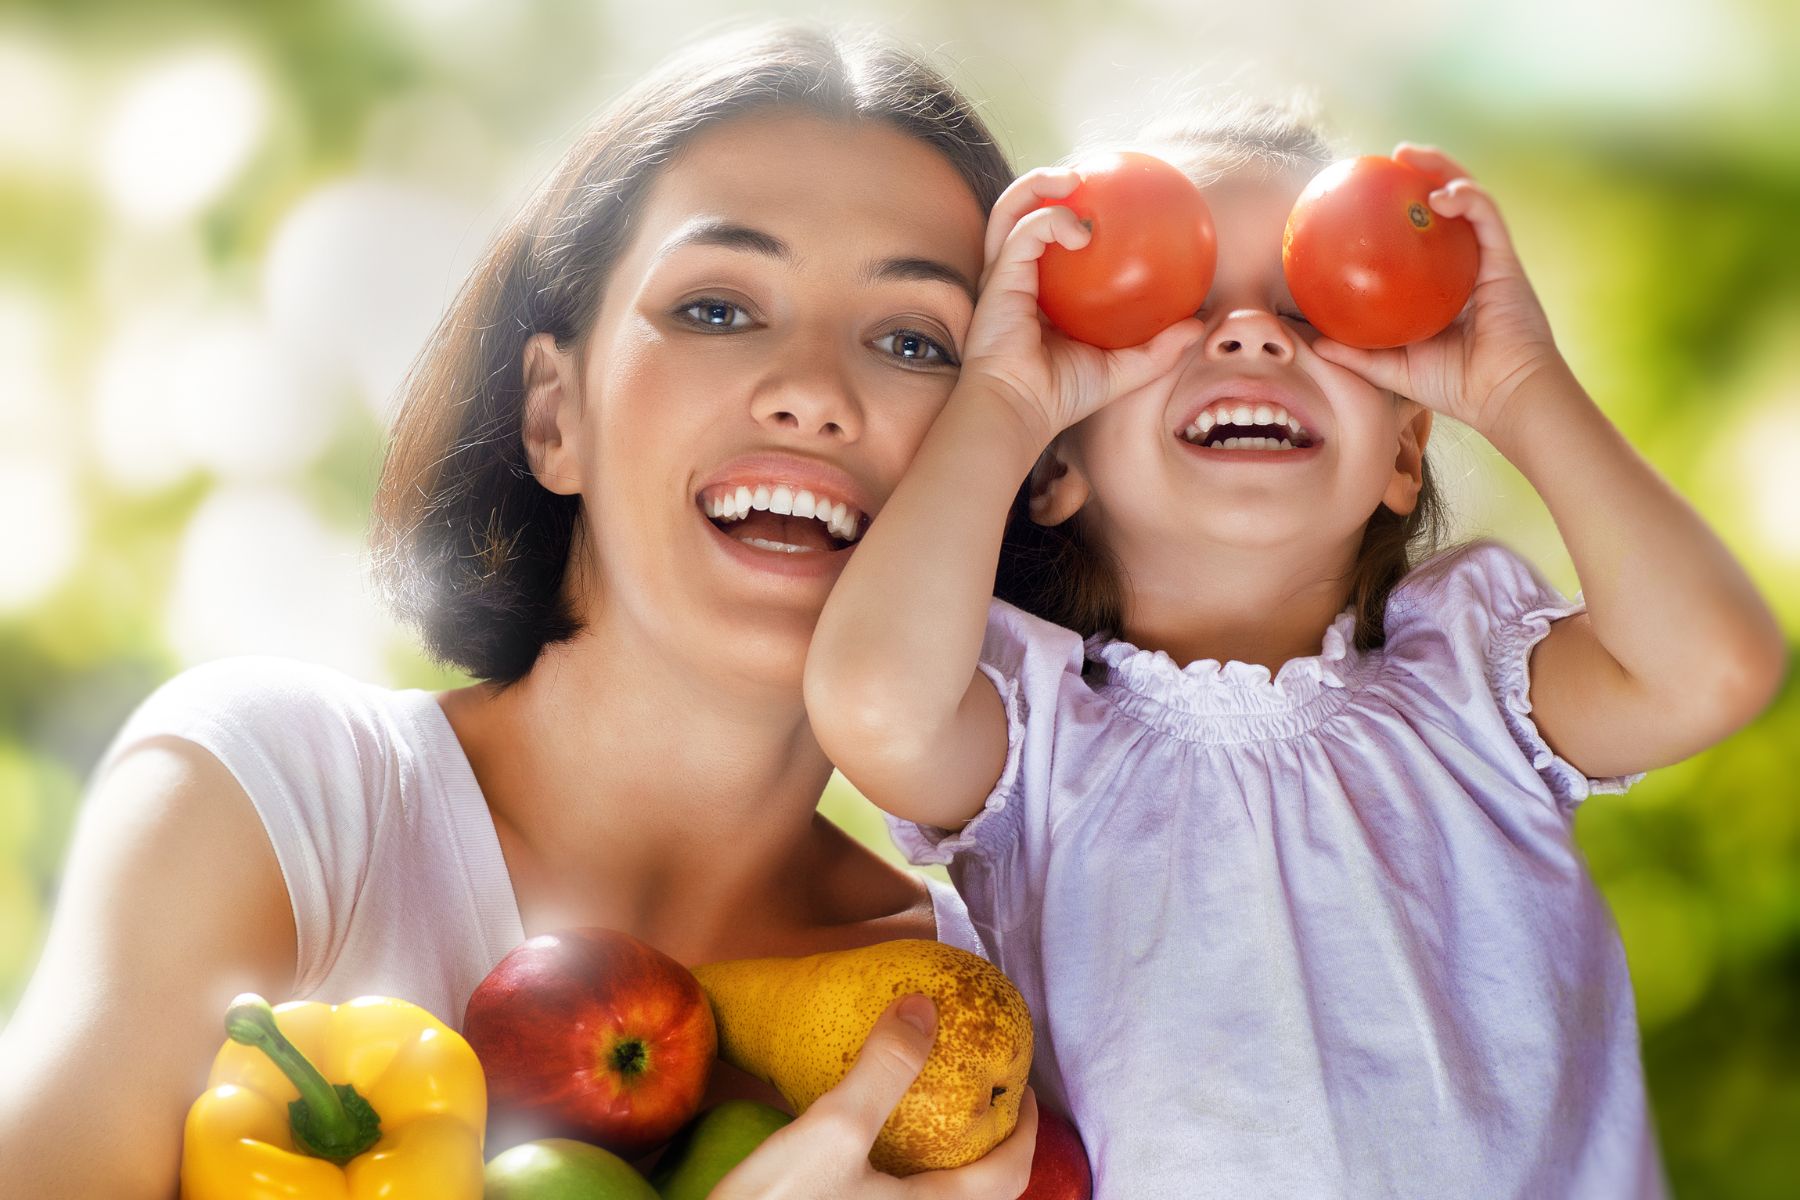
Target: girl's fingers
[(1386, 369), (1431, 160), (1014, 267), (1464, 198), (1025, 193), (1137, 366)]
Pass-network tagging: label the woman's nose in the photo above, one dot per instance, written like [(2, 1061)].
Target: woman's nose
[(810, 395), (1252, 334)]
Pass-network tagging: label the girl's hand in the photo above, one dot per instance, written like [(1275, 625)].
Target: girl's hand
[(1053, 381), (1472, 369), (824, 1153)]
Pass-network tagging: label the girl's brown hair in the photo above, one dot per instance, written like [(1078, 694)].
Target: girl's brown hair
[(1061, 572), (469, 548)]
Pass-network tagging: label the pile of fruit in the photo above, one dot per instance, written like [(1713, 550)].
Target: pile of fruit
[(586, 1051)]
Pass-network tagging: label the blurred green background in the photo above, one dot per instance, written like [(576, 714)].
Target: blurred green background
[(226, 228)]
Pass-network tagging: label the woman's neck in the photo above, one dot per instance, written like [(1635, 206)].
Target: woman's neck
[(631, 785), (1262, 605)]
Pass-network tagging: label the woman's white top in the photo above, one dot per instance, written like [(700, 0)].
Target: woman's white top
[(398, 884)]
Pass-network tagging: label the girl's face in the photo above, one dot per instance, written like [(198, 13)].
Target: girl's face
[(775, 339), (1329, 446)]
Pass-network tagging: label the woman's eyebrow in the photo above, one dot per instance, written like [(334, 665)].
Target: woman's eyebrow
[(714, 231), (922, 269), (711, 231)]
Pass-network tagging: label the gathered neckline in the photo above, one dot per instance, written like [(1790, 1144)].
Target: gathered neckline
[(1211, 688)]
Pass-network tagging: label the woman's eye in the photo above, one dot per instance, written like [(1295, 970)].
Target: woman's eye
[(714, 314), (910, 344)]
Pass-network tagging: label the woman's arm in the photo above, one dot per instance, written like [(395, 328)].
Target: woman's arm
[(172, 904), (1676, 649), (891, 683)]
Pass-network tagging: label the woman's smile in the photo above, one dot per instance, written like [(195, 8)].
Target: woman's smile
[(785, 513)]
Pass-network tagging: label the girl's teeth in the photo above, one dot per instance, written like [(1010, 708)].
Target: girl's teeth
[(1205, 422), (1264, 415), (1243, 415)]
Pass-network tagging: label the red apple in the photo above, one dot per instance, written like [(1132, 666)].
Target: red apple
[(591, 1034), (1059, 1165)]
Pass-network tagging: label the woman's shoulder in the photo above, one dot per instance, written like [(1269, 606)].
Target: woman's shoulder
[(282, 726), (260, 683)]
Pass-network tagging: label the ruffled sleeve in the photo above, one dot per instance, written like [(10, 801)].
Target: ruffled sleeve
[(1491, 609), (1029, 661)]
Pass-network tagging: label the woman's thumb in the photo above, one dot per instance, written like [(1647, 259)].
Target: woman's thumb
[(891, 1058)]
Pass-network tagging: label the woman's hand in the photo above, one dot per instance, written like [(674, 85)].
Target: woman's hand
[(1473, 369), (1052, 381), (824, 1154)]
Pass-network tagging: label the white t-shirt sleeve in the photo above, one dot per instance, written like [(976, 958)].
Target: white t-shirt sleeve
[(1491, 609), (299, 739), (1030, 662)]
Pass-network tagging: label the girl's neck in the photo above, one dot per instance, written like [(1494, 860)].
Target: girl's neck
[(1261, 604), (621, 776)]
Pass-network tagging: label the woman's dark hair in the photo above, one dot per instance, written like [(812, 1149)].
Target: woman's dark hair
[(469, 548), (1061, 572)]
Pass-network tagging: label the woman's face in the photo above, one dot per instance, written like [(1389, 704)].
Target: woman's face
[(778, 335)]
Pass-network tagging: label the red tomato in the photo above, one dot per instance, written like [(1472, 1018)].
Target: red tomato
[(1368, 261), (1151, 259)]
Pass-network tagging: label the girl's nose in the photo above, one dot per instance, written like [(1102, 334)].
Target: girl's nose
[(1250, 334)]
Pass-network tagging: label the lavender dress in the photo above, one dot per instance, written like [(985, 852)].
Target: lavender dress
[(1321, 934)]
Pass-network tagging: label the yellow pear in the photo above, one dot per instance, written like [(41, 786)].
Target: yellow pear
[(798, 1024)]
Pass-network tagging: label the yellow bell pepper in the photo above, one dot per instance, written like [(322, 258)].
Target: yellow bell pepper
[(407, 1124)]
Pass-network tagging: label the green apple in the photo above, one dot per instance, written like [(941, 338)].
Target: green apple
[(563, 1169), (713, 1142)]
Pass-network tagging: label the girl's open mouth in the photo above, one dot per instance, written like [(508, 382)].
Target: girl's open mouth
[(782, 519), (1238, 425)]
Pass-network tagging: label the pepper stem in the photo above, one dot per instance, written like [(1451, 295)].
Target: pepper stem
[(328, 1121)]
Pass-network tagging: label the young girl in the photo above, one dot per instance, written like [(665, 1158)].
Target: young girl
[(1272, 829)]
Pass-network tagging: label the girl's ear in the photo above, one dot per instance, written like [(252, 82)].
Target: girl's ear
[(1402, 493), (552, 414), (1058, 487)]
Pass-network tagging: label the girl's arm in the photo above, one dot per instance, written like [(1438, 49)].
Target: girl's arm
[(1676, 649), (171, 905), (892, 688), (891, 685)]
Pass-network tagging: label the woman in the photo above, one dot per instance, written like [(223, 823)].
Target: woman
[(742, 290)]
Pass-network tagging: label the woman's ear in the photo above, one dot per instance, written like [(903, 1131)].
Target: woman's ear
[(1058, 487), (1402, 493), (552, 414)]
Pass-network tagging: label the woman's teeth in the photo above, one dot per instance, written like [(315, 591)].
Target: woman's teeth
[(1239, 426), (734, 504)]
